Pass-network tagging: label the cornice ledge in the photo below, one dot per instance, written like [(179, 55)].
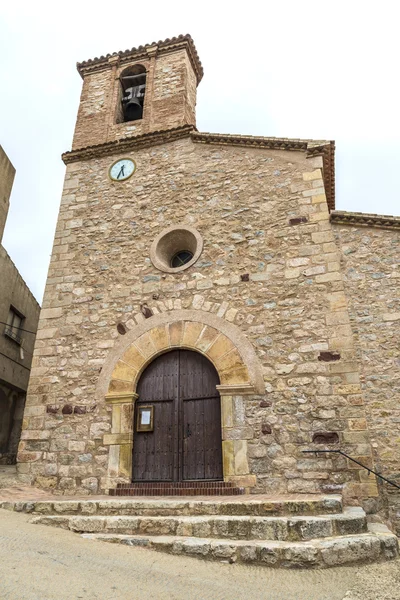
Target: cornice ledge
[(249, 140), (341, 217), (154, 138)]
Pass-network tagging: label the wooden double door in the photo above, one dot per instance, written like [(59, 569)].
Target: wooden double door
[(185, 441)]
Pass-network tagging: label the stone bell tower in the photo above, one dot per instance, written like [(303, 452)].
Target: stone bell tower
[(138, 91)]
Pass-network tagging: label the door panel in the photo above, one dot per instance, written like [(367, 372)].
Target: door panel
[(160, 379), (155, 456), (198, 377), (202, 453), (153, 451), (202, 456), (185, 443)]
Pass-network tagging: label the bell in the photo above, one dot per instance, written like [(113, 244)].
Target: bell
[(133, 110)]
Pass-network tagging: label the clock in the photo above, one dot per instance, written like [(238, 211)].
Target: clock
[(122, 169)]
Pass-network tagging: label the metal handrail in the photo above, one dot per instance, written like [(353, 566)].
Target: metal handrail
[(355, 461)]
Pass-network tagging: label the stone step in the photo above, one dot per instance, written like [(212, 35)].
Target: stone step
[(372, 546), (301, 528), (306, 504)]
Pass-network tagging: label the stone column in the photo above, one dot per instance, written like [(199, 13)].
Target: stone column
[(235, 434), (120, 439)]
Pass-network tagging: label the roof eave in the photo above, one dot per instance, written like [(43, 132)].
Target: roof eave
[(141, 52)]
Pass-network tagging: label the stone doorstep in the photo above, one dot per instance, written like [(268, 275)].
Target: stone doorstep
[(328, 552), (195, 491), (176, 484), (239, 505), (181, 488), (352, 521)]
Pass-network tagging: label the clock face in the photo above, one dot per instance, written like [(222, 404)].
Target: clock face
[(122, 169)]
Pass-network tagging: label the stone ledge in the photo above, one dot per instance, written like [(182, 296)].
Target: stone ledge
[(341, 217)]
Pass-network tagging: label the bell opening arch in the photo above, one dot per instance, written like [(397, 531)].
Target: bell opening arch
[(132, 94)]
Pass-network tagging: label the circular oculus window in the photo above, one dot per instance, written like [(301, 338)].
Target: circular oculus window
[(181, 258), (176, 249)]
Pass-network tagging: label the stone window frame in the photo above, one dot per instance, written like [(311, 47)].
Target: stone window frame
[(172, 240)]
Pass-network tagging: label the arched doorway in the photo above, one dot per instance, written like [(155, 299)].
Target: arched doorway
[(177, 420)]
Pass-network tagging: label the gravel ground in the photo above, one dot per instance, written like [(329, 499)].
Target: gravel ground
[(42, 563), (376, 582)]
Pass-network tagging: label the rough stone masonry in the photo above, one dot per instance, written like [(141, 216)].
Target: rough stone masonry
[(294, 305)]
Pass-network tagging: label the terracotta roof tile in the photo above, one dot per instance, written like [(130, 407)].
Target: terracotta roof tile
[(167, 45)]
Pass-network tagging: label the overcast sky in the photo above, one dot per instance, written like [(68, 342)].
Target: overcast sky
[(315, 69)]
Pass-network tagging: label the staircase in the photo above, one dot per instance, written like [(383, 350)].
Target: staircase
[(292, 532)]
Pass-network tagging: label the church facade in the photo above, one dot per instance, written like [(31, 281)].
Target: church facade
[(208, 315)]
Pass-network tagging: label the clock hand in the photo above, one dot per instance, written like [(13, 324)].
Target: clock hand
[(121, 172)]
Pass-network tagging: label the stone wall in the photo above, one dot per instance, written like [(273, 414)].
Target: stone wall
[(371, 268), (269, 266), (14, 292)]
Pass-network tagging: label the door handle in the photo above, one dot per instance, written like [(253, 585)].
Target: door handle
[(188, 431)]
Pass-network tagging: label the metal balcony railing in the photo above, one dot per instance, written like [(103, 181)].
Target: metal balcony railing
[(13, 334)]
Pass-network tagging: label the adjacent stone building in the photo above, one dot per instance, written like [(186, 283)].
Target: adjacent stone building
[(370, 263), (183, 258), (19, 311)]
